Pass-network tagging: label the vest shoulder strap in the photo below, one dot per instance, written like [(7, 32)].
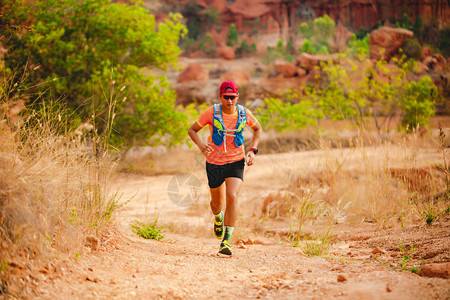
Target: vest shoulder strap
[(242, 112), (218, 112)]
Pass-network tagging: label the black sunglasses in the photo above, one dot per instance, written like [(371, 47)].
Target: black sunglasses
[(229, 97)]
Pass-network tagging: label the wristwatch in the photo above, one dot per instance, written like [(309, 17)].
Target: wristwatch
[(255, 150)]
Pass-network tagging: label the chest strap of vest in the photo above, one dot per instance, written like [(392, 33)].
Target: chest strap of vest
[(226, 131)]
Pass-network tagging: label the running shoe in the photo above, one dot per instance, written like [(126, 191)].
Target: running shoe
[(225, 248)]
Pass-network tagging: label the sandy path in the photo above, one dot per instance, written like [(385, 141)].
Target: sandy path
[(183, 266)]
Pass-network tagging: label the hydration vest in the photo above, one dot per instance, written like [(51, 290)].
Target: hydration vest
[(220, 132)]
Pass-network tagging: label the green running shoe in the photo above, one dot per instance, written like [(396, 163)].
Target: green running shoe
[(225, 248), (218, 227)]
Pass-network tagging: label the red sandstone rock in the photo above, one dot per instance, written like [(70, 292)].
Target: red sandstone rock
[(309, 61), (285, 69), (225, 52), (341, 37), (385, 41), (238, 75), (190, 92), (193, 72), (436, 62), (426, 51), (441, 270)]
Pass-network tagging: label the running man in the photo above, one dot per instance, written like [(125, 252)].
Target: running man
[(225, 156)]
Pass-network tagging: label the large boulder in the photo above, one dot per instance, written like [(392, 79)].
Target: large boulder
[(436, 270), (193, 72), (285, 69), (436, 62), (190, 92), (238, 75), (385, 41), (225, 52), (308, 61)]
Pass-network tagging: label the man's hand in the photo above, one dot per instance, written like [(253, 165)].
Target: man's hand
[(250, 157), (206, 149)]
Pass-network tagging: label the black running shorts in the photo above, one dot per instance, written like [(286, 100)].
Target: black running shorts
[(218, 173)]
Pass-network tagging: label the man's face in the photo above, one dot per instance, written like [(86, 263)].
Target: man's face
[(229, 99)]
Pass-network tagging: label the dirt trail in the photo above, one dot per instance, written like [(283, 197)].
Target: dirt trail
[(185, 266)]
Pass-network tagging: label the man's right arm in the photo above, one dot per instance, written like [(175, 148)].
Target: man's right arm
[(204, 148)]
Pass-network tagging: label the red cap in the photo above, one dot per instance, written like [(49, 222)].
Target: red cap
[(229, 85)]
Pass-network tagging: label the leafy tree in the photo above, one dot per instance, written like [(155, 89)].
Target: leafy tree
[(404, 22), (232, 35), (417, 27), (96, 55), (412, 49), (305, 31), (418, 103), (246, 49), (318, 33), (324, 28), (444, 45), (212, 16), (355, 90), (192, 13), (358, 47), (308, 48), (362, 33), (277, 52), (207, 45), (290, 48)]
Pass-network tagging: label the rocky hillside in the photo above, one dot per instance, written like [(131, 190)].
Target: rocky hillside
[(280, 15)]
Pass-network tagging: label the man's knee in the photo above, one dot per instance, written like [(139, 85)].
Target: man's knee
[(232, 198)]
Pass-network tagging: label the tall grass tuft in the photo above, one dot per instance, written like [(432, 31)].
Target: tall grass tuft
[(386, 184), (53, 182)]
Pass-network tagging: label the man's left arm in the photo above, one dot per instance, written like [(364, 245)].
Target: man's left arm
[(257, 130)]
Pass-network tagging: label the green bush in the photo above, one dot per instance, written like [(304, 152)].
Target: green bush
[(341, 94), (147, 230), (94, 54), (412, 49), (358, 47), (278, 52), (444, 42), (208, 46), (418, 103), (245, 49), (318, 33), (308, 48), (232, 37)]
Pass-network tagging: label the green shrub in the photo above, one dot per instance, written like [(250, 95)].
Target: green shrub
[(232, 37), (444, 41), (307, 47), (412, 49), (278, 52), (89, 53), (208, 46), (358, 47), (147, 230), (245, 49), (319, 32), (418, 103)]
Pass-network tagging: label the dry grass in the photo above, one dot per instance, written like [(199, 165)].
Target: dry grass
[(53, 190), (391, 183), (387, 185)]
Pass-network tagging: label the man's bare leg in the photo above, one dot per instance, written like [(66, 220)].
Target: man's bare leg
[(217, 199), (233, 187)]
